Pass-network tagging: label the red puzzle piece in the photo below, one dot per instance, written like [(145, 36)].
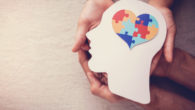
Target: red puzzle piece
[(142, 30), (119, 16)]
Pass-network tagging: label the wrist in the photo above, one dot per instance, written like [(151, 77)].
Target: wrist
[(160, 98), (162, 68)]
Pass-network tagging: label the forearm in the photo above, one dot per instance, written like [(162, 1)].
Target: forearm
[(165, 100), (161, 3), (181, 70)]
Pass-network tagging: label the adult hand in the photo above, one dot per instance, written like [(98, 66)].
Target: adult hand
[(90, 17), (163, 7), (98, 81)]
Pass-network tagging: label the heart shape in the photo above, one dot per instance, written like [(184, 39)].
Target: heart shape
[(134, 30)]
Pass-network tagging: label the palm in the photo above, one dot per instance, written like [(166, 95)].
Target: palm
[(90, 17), (92, 13)]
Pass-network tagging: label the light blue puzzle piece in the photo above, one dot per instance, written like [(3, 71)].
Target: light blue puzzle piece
[(154, 22), (129, 27), (138, 40)]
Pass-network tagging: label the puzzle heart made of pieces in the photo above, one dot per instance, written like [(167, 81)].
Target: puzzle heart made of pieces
[(123, 45)]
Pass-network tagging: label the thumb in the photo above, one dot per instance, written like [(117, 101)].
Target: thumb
[(169, 44)]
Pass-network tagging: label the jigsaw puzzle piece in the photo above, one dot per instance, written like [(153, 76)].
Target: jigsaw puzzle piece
[(131, 16), (138, 40), (119, 16), (153, 31), (154, 22), (127, 38), (117, 26), (142, 30), (145, 18), (129, 27)]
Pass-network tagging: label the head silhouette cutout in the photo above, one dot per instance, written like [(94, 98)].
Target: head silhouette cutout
[(123, 45)]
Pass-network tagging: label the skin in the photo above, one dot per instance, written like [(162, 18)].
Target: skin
[(182, 73), (181, 70), (90, 17), (166, 100)]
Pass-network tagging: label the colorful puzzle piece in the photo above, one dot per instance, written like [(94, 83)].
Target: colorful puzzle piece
[(154, 22), (129, 27), (153, 31), (145, 18), (134, 30), (138, 40), (142, 30), (131, 16), (117, 26), (127, 38), (119, 16)]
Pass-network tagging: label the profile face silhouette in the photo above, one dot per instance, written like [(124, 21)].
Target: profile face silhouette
[(123, 45)]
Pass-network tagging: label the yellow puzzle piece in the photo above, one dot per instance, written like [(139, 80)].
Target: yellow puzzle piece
[(117, 26), (131, 16), (153, 31)]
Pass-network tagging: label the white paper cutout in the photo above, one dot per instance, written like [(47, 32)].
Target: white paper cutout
[(128, 69)]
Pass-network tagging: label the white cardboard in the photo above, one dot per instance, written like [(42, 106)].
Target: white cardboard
[(128, 69)]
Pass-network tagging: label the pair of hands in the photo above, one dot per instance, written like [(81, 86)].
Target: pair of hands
[(90, 17)]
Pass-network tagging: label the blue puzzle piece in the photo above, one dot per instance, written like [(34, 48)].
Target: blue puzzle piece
[(154, 22), (129, 27), (138, 40), (145, 18), (127, 38)]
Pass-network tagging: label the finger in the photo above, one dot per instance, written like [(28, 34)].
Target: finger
[(108, 95), (105, 75), (101, 90), (169, 44), (83, 28), (85, 47), (94, 82), (83, 59), (84, 63), (104, 80), (155, 61), (96, 87), (98, 75)]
